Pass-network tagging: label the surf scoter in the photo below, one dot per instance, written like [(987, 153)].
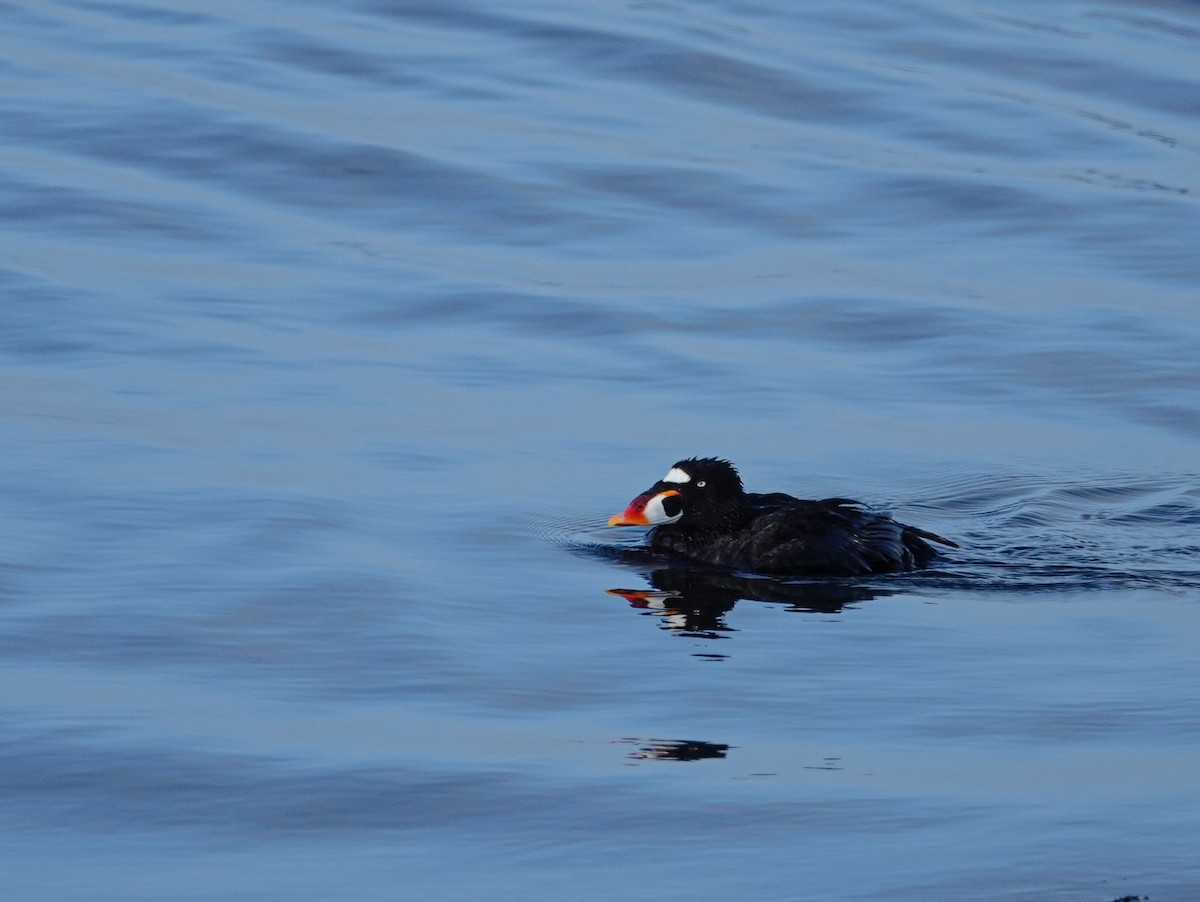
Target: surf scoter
[(700, 511)]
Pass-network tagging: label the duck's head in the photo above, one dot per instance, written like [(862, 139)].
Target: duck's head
[(696, 490)]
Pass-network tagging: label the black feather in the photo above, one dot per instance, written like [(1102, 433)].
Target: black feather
[(778, 534)]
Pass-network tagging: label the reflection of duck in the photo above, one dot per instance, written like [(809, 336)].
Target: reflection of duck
[(695, 601), (700, 511), (677, 749)]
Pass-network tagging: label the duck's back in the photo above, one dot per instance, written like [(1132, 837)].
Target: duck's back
[(784, 535)]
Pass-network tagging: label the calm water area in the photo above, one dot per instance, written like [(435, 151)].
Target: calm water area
[(331, 334)]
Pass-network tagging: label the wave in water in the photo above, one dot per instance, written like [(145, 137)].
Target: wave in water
[(1018, 534)]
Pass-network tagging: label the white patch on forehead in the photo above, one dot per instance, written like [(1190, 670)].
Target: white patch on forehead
[(676, 475)]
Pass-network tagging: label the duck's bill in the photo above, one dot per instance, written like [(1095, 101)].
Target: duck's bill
[(649, 509)]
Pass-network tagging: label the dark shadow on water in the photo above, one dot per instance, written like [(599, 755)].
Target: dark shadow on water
[(694, 602), (675, 749)]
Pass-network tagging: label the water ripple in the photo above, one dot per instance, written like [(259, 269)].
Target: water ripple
[(1020, 535)]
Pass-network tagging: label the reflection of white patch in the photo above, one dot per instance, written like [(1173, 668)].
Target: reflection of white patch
[(677, 476), (655, 514), (675, 621)]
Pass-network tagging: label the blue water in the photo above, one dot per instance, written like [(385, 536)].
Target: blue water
[(332, 333)]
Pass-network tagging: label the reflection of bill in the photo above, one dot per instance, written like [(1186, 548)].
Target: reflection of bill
[(695, 601), (674, 612), (675, 749)]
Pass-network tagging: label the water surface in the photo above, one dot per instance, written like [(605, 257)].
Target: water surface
[(332, 333)]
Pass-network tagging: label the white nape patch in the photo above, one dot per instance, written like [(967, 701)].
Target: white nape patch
[(677, 476), (655, 514)]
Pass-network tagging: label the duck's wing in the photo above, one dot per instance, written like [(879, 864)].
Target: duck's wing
[(835, 536)]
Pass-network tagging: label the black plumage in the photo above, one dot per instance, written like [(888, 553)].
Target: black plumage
[(701, 512)]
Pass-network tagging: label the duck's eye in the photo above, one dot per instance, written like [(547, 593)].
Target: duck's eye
[(700, 484)]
